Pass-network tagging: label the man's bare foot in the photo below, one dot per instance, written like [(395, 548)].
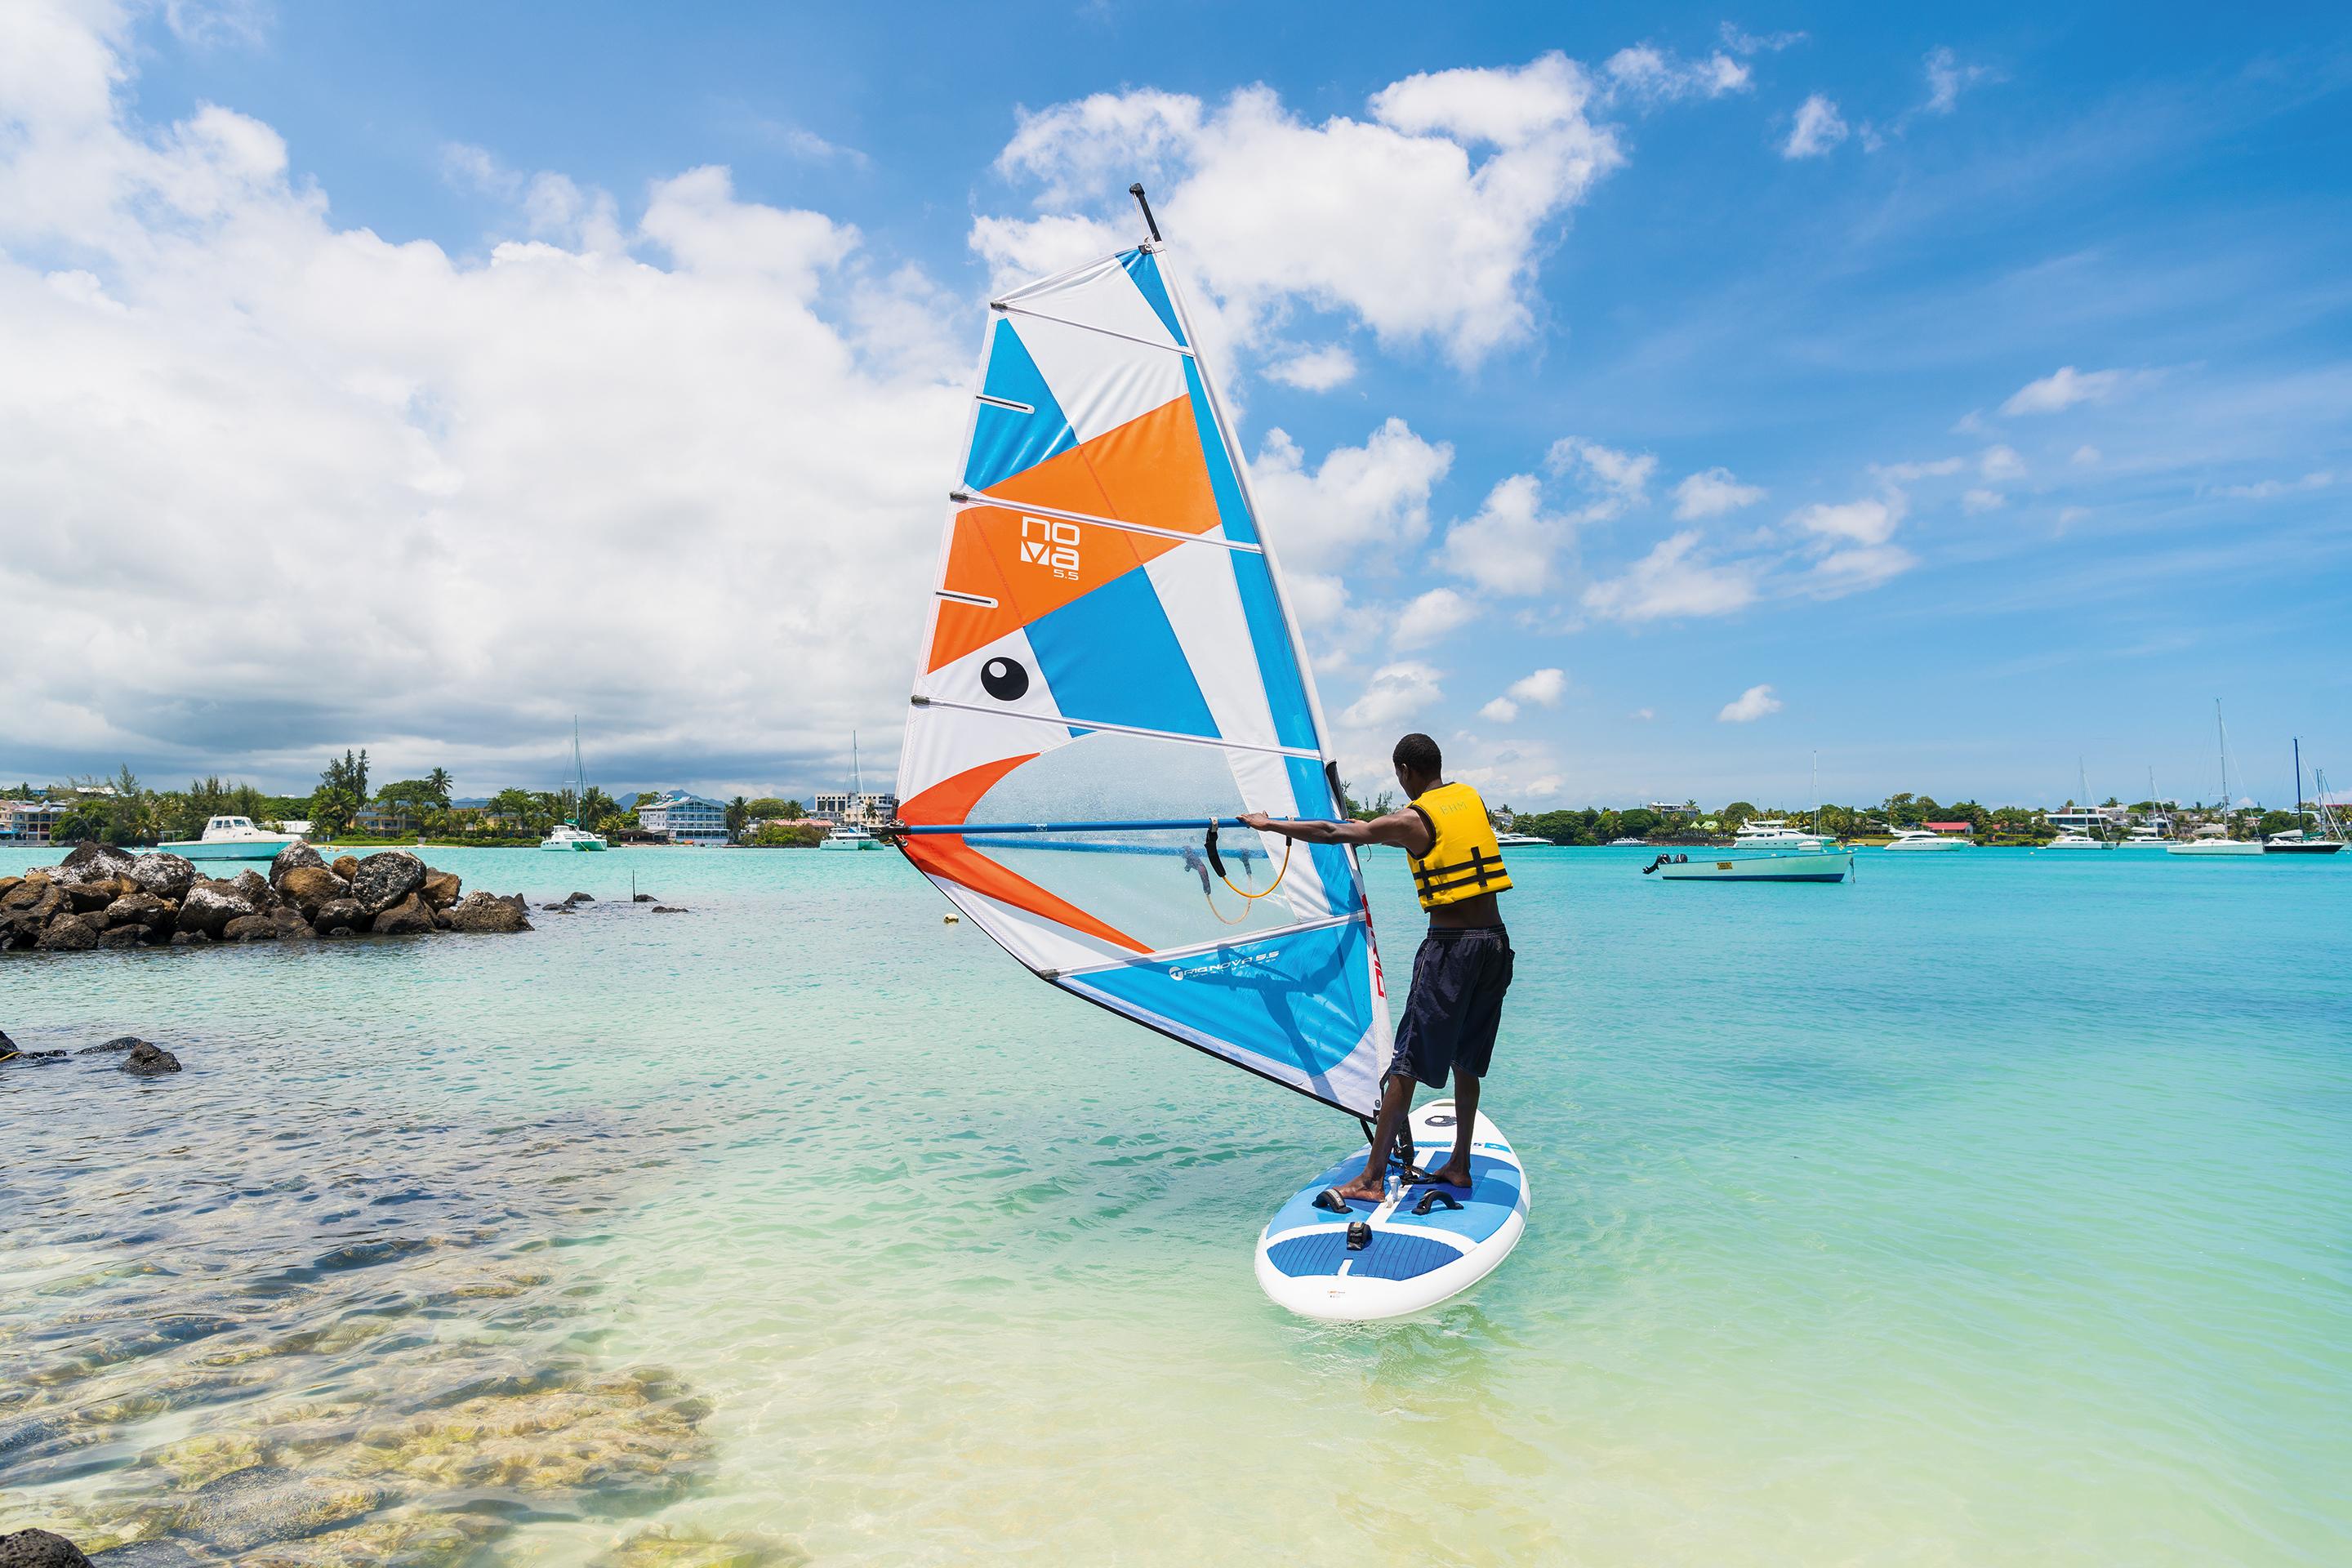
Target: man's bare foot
[(1452, 1173), (1362, 1190)]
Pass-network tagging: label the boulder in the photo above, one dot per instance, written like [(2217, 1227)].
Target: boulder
[(141, 909), (29, 890), (669, 910), (642, 898), (87, 897), (39, 1549), (210, 906), (250, 928), (93, 862), (254, 890), (147, 1060), (120, 1043), (308, 887), (10, 885), (338, 915), (344, 866), (442, 888), (296, 857), (189, 939), (407, 918), (291, 926), (7, 1046), (122, 936), (166, 876), (580, 898), (68, 933), (487, 912), (385, 877)]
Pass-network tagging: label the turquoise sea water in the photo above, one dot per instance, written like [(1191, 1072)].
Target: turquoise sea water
[(1992, 1208)]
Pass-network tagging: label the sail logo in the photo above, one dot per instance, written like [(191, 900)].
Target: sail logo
[(1236, 965), (1050, 543)]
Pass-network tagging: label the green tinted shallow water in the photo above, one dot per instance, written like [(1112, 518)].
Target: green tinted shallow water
[(1992, 1208)]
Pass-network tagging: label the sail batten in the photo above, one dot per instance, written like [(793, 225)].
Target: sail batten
[(1109, 665)]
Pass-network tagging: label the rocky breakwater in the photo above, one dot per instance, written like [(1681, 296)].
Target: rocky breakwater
[(100, 897)]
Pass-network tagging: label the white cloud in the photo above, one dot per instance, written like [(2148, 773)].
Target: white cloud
[(1748, 705), (1647, 74), (1740, 42), (2063, 388), (1620, 479), (1501, 710), (1818, 129), (2265, 488), (1907, 473), (1511, 546), (1981, 501), (1870, 520), (2084, 457), (1643, 715), (1947, 78), (1431, 618), (434, 476), (1316, 370), (1425, 220), (1711, 493), (1672, 581), (1394, 693), (2001, 463), (1852, 570), (1540, 687), (1358, 499)]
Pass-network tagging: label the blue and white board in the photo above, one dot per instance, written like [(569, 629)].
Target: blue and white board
[(1411, 1260)]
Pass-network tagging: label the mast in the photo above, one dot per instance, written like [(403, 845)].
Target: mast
[(2298, 781), (2222, 745)]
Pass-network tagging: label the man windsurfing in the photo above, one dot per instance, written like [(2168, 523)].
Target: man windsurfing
[(1464, 967)]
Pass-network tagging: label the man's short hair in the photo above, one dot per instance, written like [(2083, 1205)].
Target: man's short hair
[(1419, 753)]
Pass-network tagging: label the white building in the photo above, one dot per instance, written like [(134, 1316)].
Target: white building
[(683, 819), (28, 821), (870, 809), (2082, 818)]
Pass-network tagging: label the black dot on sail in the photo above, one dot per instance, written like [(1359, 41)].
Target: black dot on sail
[(1004, 679)]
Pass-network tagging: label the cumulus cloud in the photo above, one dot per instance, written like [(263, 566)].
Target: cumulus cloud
[(1540, 688), (2062, 389), (1748, 705), (1316, 370), (1424, 219), (1869, 521), (1431, 618), (1981, 501), (1501, 710), (1644, 73), (1998, 463), (1673, 580), (1711, 493), (1618, 479), (2084, 457), (1361, 507), (1394, 693), (1852, 570), (1741, 42), (1818, 127), (441, 476), (1512, 545)]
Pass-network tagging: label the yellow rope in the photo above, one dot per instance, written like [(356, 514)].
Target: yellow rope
[(1270, 887)]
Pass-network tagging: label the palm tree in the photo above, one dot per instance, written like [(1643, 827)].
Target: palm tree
[(438, 782), (739, 812)]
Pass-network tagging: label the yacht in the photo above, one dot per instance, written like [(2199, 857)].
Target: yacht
[(1526, 839), (2070, 839), (2216, 844), (1635, 843), (233, 838), (2147, 836), (2215, 837), (1772, 833), (2293, 842), (1919, 839), (570, 838)]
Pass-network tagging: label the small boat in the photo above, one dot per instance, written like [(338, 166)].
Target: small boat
[(1793, 866), (233, 838), (2144, 837), (2070, 839), (1632, 843), (2215, 847), (1917, 840), (570, 838), (2214, 838), (1529, 841)]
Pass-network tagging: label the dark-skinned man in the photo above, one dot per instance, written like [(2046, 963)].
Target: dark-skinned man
[(1464, 967)]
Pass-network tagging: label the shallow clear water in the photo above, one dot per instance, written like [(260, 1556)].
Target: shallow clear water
[(1992, 1208)]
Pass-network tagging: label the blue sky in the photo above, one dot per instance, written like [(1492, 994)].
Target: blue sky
[(2009, 351)]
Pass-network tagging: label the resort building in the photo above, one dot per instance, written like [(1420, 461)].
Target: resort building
[(2083, 819), (870, 809), (1949, 829), (28, 821), (385, 821), (683, 819)]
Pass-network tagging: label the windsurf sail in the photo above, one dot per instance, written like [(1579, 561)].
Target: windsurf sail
[(1109, 667)]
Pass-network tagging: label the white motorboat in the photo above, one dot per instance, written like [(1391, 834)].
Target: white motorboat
[(1635, 843), (1790, 866), (233, 838), (1918, 839), (570, 838), (1773, 833), (2215, 847), (2070, 839), (2145, 836), (1527, 840)]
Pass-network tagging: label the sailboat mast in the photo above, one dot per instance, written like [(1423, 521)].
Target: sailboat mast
[(2298, 781)]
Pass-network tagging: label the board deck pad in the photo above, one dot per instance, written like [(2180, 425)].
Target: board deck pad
[(1413, 1261)]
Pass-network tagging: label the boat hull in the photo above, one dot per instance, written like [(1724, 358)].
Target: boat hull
[(234, 849), (2317, 846), (2214, 848), (572, 849), (1923, 848), (1827, 866)]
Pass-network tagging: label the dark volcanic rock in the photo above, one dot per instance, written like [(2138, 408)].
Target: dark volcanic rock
[(407, 918), (120, 1043), (189, 939), (254, 890), (39, 1549), (291, 926), (93, 863), (669, 910), (385, 877), (338, 915), (641, 898), (294, 856), (483, 912), (142, 909), (344, 866), (147, 1060), (210, 906), (442, 889), (250, 928), (580, 898), (166, 876), (308, 887), (124, 936), (68, 933), (88, 898)]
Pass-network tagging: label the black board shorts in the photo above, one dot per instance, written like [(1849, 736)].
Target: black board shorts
[(1456, 1005)]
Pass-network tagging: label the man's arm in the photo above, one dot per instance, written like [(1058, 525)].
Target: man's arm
[(1407, 830)]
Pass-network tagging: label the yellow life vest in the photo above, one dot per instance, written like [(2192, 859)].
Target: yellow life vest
[(1464, 861)]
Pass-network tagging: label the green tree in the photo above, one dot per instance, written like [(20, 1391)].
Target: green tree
[(331, 810), (738, 813), (439, 781)]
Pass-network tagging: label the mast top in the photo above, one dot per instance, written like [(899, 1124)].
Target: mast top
[(1136, 190)]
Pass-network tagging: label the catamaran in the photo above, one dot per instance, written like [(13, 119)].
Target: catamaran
[(569, 837), (1110, 674), (848, 835)]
